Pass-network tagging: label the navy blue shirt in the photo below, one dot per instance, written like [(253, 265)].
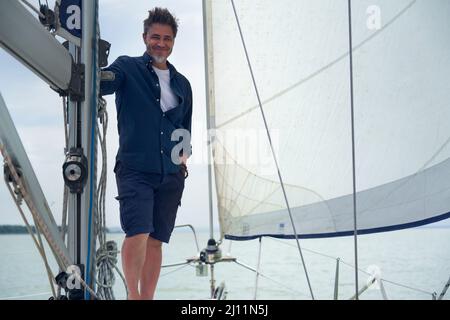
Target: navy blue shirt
[(144, 129)]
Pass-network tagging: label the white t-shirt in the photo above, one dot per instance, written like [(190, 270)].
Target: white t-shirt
[(168, 99)]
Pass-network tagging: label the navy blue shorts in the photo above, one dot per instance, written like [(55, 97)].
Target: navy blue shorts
[(148, 201)]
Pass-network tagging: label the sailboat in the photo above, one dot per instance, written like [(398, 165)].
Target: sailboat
[(326, 119)]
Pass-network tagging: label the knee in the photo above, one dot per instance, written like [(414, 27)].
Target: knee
[(151, 242)]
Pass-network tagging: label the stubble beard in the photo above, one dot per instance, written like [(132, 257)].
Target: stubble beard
[(156, 58), (159, 59)]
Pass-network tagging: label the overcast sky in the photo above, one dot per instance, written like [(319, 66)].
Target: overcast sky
[(37, 110)]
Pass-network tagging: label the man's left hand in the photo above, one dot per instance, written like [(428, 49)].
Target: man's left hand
[(183, 159), (183, 165)]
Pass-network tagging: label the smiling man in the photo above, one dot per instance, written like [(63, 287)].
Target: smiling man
[(153, 101)]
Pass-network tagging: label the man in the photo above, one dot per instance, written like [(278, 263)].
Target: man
[(154, 103)]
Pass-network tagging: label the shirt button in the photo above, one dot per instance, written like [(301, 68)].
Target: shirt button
[(157, 100), (164, 114), (162, 152), (157, 85), (162, 133)]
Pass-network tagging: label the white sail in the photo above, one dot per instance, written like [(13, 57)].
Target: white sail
[(299, 53)]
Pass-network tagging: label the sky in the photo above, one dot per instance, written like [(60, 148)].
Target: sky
[(37, 110)]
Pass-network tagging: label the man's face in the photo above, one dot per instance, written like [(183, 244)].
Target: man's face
[(159, 40)]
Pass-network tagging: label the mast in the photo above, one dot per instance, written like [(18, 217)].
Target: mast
[(212, 253), (88, 134), (71, 69), (210, 120), (80, 158), (74, 214)]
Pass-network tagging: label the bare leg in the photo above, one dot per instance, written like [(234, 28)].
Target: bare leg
[(133, 258), (151, 269)]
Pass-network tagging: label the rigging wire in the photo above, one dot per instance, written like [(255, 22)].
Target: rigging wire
[(352, 101), (23, 194), (353, 267), (272, 148), (16, 195), (59, 255), (389, 281), (258, 271), (66, 189), (181, 266), (244, 265), (44, 257)]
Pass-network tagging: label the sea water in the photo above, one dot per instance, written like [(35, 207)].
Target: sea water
[(414, 263)]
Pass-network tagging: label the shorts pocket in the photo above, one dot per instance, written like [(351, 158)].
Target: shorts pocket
[(126, 195), (127, 210)]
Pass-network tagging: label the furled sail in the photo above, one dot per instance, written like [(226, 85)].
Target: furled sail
[(299, 53)]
